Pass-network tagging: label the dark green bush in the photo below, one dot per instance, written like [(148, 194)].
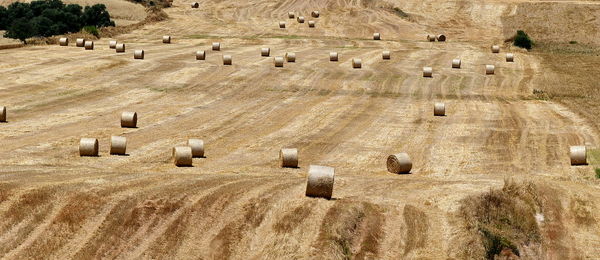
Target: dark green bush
[(522, 40), (92, 30)]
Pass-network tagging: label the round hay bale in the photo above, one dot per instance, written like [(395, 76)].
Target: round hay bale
[(89, 45), (166, 39), (356, 63), (200, 55), (80, 42), (510, 57), (291, 15), (386, 55), (377, 36), (216, 46), (288, 158), (3, 114), (456, 63), (182, 156), (333, 56), (265, 52), (290, 56), (112, 44), (227, 60), (320, 181), (282, 25), (427, 72), (278, 60), (439, 109), (431, 38), (129, 119), (63, 41), (495, 49), (578, 155), (195, 5), (138, 54), (399, 163), (88, 147), (311, 24), (315, 14), (441, 38), (197, 146), (489, 69), (300, 19), (120, 47), (118, 145)]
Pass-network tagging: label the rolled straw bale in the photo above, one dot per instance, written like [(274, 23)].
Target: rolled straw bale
[(166, 39), (282, 25), (315, 14), (441, 38), (386, 55), (495, 49), (216, 46), (227, 60), (120, 47), (129, 119), (356, 63), (88, 147), (197, 146), (89, 45), (291, 15), (311, 24), (431, 38), (288, 157), (80, 42), (427, 72), (376, 36), (399, 163), (578, 155), (63, 41), (456, 63), (300, 19), (439, 109), (278, 61), (290, 56), (112, 44), (118, 145), (333, 56), (489, 69), (2, 114), (138, 54), (182, 156), (320, 181), (510, 57), (195, 5), (200, 55), (265, 52)]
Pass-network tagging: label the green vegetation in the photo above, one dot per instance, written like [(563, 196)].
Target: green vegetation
[(93, 30), (522, 40), (45, 18), (572, 42), (597, 173)]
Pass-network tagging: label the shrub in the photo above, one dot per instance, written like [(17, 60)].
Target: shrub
[(572, 42), (522, 40), (597, 173), (93, 30)]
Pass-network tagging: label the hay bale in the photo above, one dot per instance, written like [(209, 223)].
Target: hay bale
[(80, 42), (495, 49), (300, 19), (216, 46), (427, 72), (166, 39), (441, 38), (88, 147), (333, 56), (399, 163), (356, 63), (63, 41), (489, 69), (315, 14), (227, 60), (578, 155), (510, 57), (200, 55), (439, 109), (195, 5), (386, 55), (3, 114), (431, 38), (265, 52), (120, 47), (288, 158), (197, 146), (291, 15), (118, 145), (278, 61), (290, 56), (182, 156), (282, 25), (320, 181), (456, 63), (311, 24), (89, 45), (129, 119), (112, 44), (138, 54), (377, 36)]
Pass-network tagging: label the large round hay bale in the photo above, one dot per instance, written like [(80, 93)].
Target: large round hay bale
[(311, 24), (578, 155), (112, 44), (200, 55), (456, 63), (356, 63), (166, 39), (282, 25), (129, 119), (510, 57), (290, 56), (495, 49), (197, 146), (216, 46), (320, 181), (182, 156), (300, 19), (120, 47), (63, 41), (431, 38), (88, 147), (278, 61), (489, 69), (333, 56), (291, 15), (399, 163), (439, 109), (288, 157), (2, 114), (195, 5), (315, 14), (227, 60), (427, 72), (265, 52), (80, 42), (386, 55), (376, 36), (138, 54), (89, 45), (118, 145), (441, 38)]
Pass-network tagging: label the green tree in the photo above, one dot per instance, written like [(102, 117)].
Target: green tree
[(522, 40), (97, 15), (20, 29)]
